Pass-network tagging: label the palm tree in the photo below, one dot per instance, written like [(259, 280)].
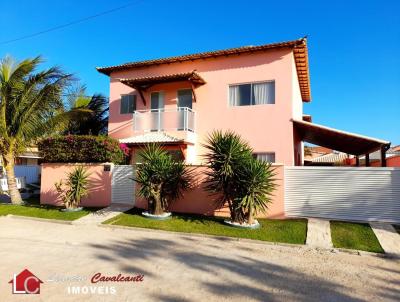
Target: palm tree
[(227, 153), (30, 106), (257, 182), (95, 123), (236, 177), (162, 178)]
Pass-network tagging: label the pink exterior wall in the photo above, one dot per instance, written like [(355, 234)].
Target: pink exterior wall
[(100, 184), (266, 127), (198, 201)]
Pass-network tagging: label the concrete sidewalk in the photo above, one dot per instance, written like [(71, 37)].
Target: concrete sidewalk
[(388, 237), (99, 216), (319, 233)]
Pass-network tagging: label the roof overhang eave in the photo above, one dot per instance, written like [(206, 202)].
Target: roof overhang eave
[(339, 140)]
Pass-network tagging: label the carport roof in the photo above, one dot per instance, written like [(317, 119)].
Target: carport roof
[(347, 142)]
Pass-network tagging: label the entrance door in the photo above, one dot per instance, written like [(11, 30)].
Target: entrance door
[(185, 101), (157, 111)]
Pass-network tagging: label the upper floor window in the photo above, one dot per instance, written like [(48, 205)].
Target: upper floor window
[(252, 94), (128, 103), (267, 156)]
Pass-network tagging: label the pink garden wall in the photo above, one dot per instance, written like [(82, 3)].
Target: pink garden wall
[(100, 184), (198, 201), (195, 201)]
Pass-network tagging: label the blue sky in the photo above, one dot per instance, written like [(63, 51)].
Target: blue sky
[(353, 45)]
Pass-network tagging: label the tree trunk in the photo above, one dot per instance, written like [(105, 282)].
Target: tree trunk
[(11, 182), (250, 219), (158, 210), (156, 207)]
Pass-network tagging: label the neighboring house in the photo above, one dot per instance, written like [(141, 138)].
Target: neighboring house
[(256, 91), (392, 158), (334, 158), (29, 157), (311, 152), (27, 169)]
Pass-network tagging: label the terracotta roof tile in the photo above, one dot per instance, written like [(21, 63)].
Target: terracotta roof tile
[(299, 49)]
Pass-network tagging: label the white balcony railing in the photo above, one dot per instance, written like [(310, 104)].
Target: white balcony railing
[(179, 119)]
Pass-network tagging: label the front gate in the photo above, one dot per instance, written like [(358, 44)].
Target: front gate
[(122, 184)]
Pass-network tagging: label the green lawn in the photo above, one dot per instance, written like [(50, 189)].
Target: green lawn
[(34, 209), (356, 236), (287, 231)]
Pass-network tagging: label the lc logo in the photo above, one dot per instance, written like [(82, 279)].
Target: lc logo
[(25, 283)]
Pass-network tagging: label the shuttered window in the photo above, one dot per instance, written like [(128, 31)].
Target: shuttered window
[(128, 103)]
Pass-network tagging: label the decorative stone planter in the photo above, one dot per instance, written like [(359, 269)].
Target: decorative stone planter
[(163, 216), (252, 226), (72, 210)]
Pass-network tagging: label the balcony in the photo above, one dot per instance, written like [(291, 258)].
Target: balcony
[(166, 120)]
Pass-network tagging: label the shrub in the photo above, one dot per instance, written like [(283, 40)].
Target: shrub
[(162, 178), (240, 180), (75, 188), (81, 149)]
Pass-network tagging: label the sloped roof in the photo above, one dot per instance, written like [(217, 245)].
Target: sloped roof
[(335, 139), (299, 47), (334, 157), (148, 81), (151, 137)]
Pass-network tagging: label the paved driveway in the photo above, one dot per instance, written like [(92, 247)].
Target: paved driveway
[(183, 268)]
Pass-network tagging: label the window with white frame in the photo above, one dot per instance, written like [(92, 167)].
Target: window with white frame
[(128, 103), (260, 93), (265, 156)]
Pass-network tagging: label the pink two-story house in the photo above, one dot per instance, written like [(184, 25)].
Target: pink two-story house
[(254, 90)]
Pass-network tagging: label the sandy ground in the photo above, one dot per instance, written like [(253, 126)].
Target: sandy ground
[(184, 268)]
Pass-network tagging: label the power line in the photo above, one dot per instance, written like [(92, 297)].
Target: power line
[(70, 23)]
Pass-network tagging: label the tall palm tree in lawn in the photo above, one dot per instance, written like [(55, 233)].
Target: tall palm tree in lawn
[(30, 106)]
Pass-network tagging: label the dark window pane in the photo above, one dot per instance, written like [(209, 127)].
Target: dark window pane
[(132, 103), (185, 98), (244, 95), (128, 103)]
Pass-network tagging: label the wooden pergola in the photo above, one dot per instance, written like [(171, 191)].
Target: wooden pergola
[(342, 141)]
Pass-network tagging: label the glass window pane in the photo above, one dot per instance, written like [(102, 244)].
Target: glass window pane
[(244, 95), (268, 156), (155, 100), (263, 93), (124, 104), (132, 103), (128, 103), (185, 98)]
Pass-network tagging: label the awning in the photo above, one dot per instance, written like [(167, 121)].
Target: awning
[(145, 82), (151, 137), (338, 140)]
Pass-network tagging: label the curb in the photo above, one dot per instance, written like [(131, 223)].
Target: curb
[(252, 241), (69, 222), (225, 238)]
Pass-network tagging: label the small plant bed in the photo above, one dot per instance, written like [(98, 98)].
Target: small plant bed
[(397, 228), (356, 236), (32, 208), (287, 231)]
